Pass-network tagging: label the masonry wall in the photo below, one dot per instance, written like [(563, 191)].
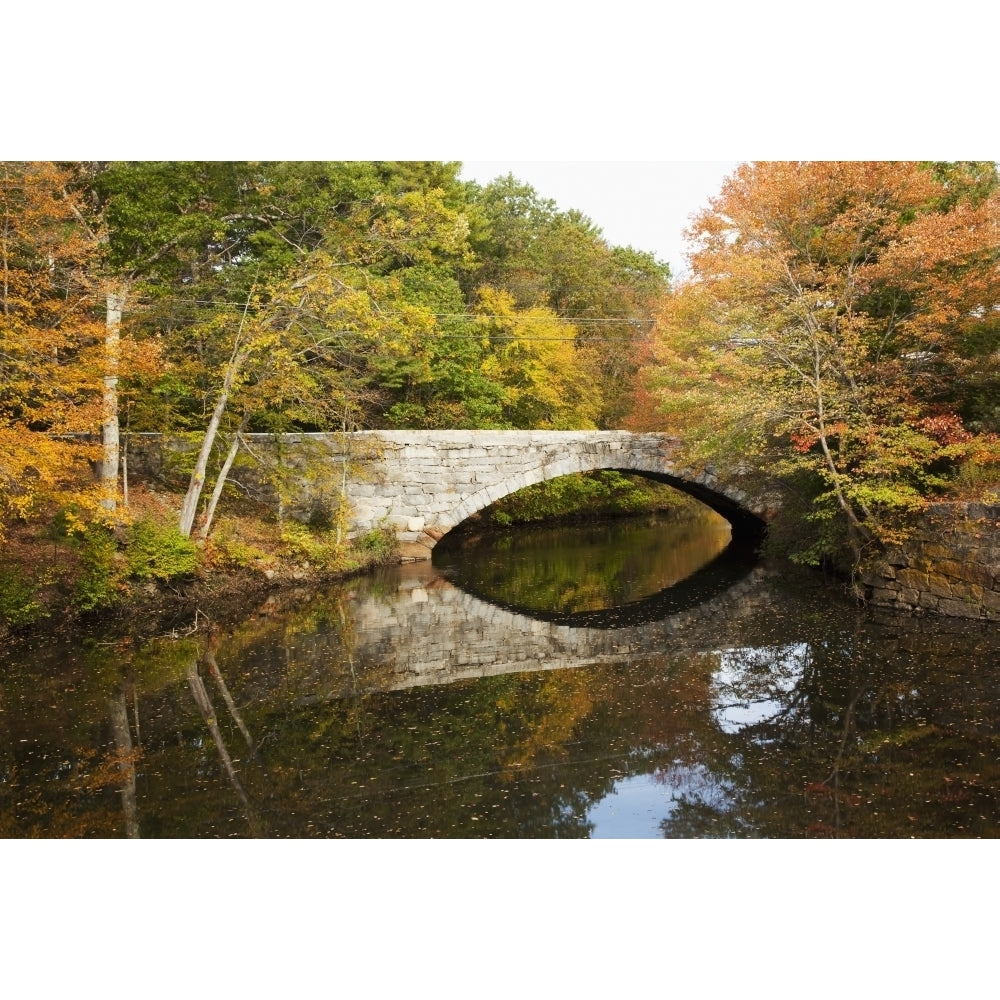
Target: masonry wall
[(424, 483), (950, 567)]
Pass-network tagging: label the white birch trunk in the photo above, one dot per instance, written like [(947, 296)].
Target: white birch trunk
[(109, 421), (220, 480), (190, 506), (191, 499)]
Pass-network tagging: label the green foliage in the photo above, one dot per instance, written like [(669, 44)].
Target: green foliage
[(99, 584), (378, 546), (591, 494), (18, 599), (318, 548), (560, 260), (235, 552), (159, 552)]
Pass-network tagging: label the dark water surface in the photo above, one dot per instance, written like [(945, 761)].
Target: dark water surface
[(539, 685)]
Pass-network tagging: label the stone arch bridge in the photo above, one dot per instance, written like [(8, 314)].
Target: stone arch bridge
[(424, 483)]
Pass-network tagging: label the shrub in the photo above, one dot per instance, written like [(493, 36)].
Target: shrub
[(235, 552), (99, 582), (161, 552), (318, 548), (379, 545), (18, 606)]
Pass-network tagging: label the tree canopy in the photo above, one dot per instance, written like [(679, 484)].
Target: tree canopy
[(214, 297), (839, 332)]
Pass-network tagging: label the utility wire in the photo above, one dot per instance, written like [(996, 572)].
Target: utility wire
[(152, 304)]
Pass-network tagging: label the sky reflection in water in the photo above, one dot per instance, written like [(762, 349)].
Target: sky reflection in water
[(402, 705)]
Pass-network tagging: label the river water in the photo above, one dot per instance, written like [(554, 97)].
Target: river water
[(634, 678)]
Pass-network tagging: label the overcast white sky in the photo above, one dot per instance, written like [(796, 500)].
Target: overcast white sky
[(640, 204)]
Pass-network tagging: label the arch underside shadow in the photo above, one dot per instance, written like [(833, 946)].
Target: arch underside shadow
[(747, 524)]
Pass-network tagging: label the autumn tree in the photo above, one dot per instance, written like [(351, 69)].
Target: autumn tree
[(559, 260), (333, 332), (533, 356), (50, 366), (829, 309)]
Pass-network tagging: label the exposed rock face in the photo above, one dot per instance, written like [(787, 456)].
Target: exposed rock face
[(950, 567)]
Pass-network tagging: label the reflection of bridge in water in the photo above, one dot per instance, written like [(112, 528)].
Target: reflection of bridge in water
[(429, 631)]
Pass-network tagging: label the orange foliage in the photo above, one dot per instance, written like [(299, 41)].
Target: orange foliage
[(50, 339), (830, 306)]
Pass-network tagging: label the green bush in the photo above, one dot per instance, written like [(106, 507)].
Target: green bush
[(159, 552), (18, 606), (379, 545), (319, 548), (237, 553), (99, 582)]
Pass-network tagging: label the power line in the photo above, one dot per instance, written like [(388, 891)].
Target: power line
[(571, 320)]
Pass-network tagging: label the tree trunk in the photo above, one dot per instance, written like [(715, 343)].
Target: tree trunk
[(190, 506), (236, 361), (109, 420), (126, 762), (220, 480)]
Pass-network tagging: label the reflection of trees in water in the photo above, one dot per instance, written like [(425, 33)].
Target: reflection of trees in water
[(839, 727), (204, 703), (118, 711), (849, 748)]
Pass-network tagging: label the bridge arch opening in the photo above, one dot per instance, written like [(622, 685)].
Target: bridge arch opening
[(748, 527)]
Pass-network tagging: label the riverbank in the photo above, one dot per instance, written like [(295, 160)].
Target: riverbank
[(55, 577), (144, 574)]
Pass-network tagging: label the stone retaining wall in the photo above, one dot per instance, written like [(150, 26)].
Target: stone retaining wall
[(950, 567)]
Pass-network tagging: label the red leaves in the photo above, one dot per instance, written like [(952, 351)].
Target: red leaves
[(802, 442), (944, 427)]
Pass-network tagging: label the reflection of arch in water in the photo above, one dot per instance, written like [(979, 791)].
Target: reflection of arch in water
[(431, 632), (707, 583)]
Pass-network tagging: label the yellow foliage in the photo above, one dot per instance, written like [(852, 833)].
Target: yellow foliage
[(533, 355), (50, 343)]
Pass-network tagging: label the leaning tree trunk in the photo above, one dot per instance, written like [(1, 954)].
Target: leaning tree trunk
[(220, 480), (193, 495), (197, 484)]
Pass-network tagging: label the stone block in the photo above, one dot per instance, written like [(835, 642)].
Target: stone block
[(958, 609), (439, 508), (414, 550), (875, 574), (964, 591), (884, 596), (897, 557), (927, 601), (934, 551), (912, 578)]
